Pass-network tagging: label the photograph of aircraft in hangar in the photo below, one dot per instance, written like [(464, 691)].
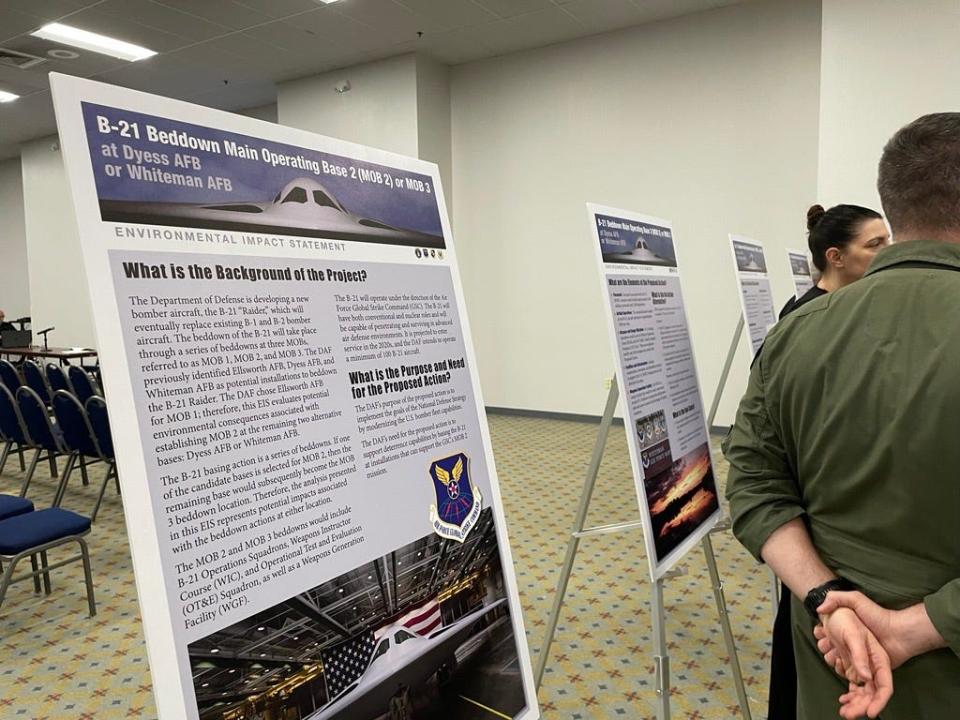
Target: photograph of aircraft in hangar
[(426, 627)]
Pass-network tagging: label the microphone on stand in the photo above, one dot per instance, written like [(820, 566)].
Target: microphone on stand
[(44, 333)]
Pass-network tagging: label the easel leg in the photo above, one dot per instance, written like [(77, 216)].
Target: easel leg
[(592, 470), (661, 658), (774, 593), (724, 374), (721, 601)]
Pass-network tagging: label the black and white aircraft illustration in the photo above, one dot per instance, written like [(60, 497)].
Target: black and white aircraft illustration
[(302, 207), (400, 657), (641, 254)]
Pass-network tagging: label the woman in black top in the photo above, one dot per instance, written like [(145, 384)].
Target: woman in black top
[(843, 241)]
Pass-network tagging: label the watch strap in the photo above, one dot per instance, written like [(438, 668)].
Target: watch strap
[(818, 595)]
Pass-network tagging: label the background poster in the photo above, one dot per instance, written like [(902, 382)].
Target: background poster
[(650, 338), (800, 271), (310, 493), (756, 298)]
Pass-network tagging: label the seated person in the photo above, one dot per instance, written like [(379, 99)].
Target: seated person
[(4, 325)]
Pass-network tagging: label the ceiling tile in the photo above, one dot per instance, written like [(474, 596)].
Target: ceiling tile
[(327, 25), (126, 28), (13, 23), (301, 41), (279, 8), (86, 63), (161, 17), (536, 29), (511, 8), (388, 18), (450, 14), (225, 13), (48, 10), (22, 82)]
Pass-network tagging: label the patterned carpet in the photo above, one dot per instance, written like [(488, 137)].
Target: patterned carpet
[(60, 665)]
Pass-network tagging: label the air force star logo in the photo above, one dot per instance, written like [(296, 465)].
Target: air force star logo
[(458, 499)]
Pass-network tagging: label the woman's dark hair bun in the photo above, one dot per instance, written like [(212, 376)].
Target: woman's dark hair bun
[(814, 214)]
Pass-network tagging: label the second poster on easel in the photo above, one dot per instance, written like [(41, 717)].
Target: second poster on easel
[(650, 337)]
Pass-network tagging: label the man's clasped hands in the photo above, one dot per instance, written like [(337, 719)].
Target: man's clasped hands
[(864, 643)]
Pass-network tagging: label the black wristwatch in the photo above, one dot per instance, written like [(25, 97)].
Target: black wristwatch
[(816, 597)]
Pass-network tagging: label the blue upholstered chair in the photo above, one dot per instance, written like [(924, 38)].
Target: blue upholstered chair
[(10, 376), (11, 505), (96, 408), (42, 436), (78, 440), (34, 533), (12, 431), (84, 385), (34, 379), (57, 378)]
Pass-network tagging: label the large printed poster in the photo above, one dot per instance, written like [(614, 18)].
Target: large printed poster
[(800, 271), (650, 338), (756, 298), (307, 475)]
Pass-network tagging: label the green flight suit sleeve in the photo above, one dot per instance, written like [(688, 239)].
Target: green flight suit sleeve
[(760, 487), (943, 607)]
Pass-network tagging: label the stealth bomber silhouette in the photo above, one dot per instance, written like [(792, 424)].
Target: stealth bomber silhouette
[(302, 207), (640, 254)]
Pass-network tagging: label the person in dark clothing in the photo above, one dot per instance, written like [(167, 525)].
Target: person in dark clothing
[(843, 241), (4, 325)]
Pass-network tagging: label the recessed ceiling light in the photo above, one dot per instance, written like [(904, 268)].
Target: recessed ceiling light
[(7, 96), (57, 32), (63, 54), (325, 2)]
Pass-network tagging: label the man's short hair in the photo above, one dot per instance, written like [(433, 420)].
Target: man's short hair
[(919, 175)]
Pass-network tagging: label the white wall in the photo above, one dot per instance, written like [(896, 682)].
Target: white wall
[(433, 120), (885, 63), (401, 104), (380, 109), (14, 281), (709, 120), (58, 288)]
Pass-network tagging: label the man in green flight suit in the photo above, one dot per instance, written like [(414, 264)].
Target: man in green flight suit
[(845, 457)]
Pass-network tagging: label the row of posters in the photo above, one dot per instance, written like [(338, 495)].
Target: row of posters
[(310, 494), (653, 357)]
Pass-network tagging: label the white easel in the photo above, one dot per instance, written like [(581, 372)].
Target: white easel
[(658, 614)]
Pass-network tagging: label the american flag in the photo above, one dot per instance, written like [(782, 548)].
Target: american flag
[(422, 620), (343, 664)]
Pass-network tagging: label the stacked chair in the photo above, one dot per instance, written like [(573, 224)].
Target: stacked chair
[(54, 415)]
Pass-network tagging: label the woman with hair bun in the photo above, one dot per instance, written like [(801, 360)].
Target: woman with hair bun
[(842, 241)]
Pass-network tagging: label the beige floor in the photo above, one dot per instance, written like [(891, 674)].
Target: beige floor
[(59, 665)]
